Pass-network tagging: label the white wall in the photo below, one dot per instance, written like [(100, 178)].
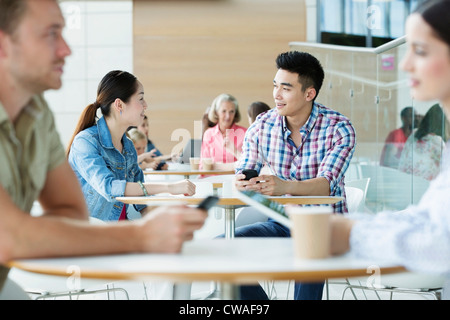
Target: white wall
[(100, 34)]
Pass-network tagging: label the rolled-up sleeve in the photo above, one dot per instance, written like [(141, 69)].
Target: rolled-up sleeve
[(338, 156), (250, 157)]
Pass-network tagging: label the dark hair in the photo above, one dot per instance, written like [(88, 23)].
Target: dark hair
[(256, 108), (11, 14), (114, 85), (432, 122), (437, 14), (309, 70), (407, 112)]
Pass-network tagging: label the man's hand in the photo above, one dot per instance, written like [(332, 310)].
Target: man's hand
[(167, 228), (266, 184)]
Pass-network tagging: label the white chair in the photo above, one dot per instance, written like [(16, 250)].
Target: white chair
[(362, 184), (402, 283), (45, 286), (42, 286), (355, 199)]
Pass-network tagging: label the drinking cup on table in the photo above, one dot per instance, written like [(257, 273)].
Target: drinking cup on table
[(310, 231), (195, 163), (207, 163)]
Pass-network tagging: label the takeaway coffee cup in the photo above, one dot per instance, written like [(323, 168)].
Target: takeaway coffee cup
[(310, 231), (195, 163), (207, 164)]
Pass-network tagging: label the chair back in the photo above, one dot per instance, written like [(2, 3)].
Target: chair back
[(355, 199)]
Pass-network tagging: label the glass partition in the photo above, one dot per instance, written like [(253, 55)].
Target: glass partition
[(399, 141)]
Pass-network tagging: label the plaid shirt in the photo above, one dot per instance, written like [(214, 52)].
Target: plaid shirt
[(328, 143)]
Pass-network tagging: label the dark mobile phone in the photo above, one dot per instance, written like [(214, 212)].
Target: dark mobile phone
[(208, 202), (250, 173)]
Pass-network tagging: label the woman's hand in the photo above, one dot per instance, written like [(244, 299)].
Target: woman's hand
[(341, 228), (185, 187)]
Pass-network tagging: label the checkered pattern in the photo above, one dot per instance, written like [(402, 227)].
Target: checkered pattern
[(328, 142)]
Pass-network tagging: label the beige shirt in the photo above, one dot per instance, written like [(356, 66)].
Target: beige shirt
[(28, 150)]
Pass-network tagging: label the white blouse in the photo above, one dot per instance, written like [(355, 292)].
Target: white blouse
[(417, 237)]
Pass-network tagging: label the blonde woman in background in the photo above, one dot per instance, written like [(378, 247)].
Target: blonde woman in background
[(223, 142)]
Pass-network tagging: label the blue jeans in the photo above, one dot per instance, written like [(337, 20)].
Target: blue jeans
[(271, 228)]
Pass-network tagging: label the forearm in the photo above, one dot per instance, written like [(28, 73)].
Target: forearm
[(54, 237), (62, 196), (133, 189), (310, 187)]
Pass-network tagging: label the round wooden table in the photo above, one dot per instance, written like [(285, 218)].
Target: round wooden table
[(241, 261), (188, 173), (230, 204)]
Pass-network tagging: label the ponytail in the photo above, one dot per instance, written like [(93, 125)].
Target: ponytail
[(115, 84), (87, 120)]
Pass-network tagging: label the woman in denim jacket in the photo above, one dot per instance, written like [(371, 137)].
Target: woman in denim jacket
[(104, 159)]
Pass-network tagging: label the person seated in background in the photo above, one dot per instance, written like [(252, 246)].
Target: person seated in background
[(193, 147), (423, 150), (306, 145), (104, 159), (34, 165), (418, 237), (396, 139), (255, 109), (143, 127), (223, 142), (146, 160)]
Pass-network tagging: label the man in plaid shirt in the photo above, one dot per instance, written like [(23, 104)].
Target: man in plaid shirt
[(306, 146)]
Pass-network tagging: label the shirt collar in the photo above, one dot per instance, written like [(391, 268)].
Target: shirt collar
[(308, 126), (104, 135), (34, 108)]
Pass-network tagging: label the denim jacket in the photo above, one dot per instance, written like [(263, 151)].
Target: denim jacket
[(103, 171)]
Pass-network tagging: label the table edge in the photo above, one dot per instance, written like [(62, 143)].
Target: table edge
[(231, 277)]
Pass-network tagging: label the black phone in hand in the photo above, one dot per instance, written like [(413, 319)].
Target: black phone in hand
[(250, 173), (208, 203)]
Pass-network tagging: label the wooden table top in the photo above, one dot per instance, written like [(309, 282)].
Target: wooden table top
[(188, 172), (241, 260), (227, 201)]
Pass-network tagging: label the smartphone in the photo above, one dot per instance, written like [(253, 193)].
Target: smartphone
[(249, 173), (208, 202)]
